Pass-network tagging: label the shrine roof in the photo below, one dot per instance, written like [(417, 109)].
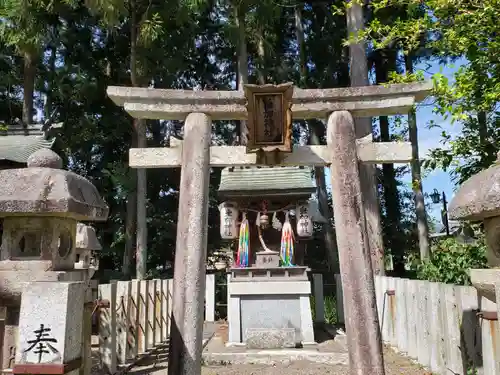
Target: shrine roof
[(264, 181), (17, 143)]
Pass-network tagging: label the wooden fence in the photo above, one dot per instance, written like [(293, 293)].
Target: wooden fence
[(137, 321), (446, 328)]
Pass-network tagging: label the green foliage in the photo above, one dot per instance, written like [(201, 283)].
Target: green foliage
[(312, 303), (450, 30), (471, 371), (24, 23), (406, 78), (330, 309), (220, 295), (451, 261), (151, 29), (81, 48), (111, 12)]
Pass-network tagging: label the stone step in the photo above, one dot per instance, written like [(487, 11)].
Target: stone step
[(271, 357)]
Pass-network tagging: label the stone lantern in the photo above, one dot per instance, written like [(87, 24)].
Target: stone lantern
[(87, 248), (40, 206), (478, 199)]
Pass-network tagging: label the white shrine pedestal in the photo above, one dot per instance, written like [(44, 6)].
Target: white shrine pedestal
[(269, 308)]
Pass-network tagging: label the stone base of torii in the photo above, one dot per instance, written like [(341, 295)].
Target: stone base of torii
[(343, 153)]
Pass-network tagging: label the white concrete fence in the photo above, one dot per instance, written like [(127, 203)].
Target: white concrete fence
[(138, 319), (446, 328)]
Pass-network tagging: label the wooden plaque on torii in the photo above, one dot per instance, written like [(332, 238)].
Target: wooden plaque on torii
[(269, 117)]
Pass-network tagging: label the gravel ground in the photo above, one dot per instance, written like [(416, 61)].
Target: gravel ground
[(395, 365)]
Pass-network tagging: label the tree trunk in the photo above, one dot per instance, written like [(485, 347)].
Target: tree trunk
[(140, 129), (142, 228), (136, 199), (29, 77), (242, 66), (359, 77), (392, 206), (261, 53), (385, 61), (50, 82), (488, 150), (130, 224), (299, 33), (316, 133), (416, 178), (323, 203), (242, 46)]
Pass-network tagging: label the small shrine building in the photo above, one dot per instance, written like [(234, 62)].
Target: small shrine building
[(267, 195), (269, 213)]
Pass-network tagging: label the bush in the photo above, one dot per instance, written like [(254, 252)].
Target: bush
[(330, 309), (451, 261)]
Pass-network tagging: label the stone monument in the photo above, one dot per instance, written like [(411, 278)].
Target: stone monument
[(478, 199), (40, 206)]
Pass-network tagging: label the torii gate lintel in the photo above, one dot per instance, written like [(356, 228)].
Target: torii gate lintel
[(232, 105)]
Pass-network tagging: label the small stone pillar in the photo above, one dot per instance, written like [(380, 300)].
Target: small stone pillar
[(50, 328), (40, 206)]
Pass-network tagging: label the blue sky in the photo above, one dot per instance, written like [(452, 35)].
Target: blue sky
[(431, 138)]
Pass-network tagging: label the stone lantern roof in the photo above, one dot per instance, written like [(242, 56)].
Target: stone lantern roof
[(479, 197), (44, 189)]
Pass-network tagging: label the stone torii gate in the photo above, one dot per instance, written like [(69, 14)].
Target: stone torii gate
[(195, 156)]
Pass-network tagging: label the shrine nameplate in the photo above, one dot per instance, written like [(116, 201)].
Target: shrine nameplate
[(269, 117)]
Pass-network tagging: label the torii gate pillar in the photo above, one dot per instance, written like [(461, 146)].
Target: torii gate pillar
[(362, 325), (186, 330)]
